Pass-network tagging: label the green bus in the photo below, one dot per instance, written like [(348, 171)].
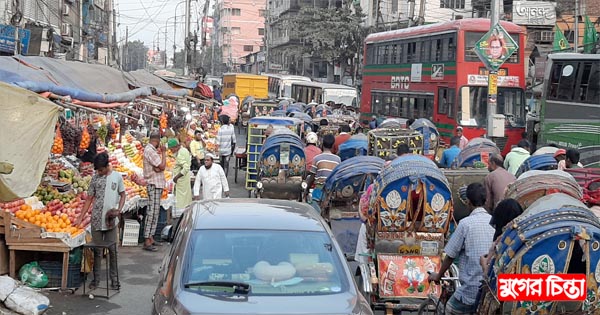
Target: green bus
[(570, 108)]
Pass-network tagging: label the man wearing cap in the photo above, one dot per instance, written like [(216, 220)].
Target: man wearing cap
[(155, 161), (213, 180), (181, 176), (311, 150), (463, 139)]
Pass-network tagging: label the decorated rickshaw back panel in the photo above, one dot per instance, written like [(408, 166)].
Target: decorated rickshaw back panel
[(283, 150), (405, 276)]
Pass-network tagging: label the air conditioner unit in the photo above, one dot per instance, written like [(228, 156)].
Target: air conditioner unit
[(65, 9), (66, 30)]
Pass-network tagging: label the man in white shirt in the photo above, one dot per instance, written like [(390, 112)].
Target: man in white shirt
[(213, 180)]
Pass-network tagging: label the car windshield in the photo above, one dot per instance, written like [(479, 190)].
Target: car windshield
[(272, 262)]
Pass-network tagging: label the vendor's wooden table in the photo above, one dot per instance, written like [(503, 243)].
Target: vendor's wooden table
[(54, 246), (27, 238)]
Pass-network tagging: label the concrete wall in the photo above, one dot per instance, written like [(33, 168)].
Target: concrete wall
[(237, 32)]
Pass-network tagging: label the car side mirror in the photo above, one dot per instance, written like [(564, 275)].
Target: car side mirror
[(167, 234)]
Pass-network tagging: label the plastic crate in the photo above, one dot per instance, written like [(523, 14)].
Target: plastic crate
[(131, 233), (53, 270)]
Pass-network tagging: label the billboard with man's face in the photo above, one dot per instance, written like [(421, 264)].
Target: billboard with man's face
[(495, 47)]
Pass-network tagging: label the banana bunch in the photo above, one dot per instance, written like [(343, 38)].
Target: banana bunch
[(129, 150)]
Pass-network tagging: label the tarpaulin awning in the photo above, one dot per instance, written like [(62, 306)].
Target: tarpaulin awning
[(181, 82), (27, 123), (141, 78)]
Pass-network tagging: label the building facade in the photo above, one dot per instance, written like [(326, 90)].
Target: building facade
[(239, 30), (66, 29)]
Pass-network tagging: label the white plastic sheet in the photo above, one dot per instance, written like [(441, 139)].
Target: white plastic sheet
[(27, 123)]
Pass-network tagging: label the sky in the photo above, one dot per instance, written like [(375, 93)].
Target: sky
[(145, 18)]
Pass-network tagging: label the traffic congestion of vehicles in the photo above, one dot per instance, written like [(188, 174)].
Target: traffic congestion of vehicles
[(393, 203), (431, 187)]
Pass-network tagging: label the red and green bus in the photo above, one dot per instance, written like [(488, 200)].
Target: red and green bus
[(433, 72)]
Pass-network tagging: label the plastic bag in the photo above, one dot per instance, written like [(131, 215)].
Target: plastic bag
[(26, 301), (7, 286), (32, 275), (75, 256)]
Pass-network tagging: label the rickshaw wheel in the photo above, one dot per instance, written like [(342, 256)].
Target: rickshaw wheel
[(430, 306)]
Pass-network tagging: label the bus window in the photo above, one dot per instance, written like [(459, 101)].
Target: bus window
[(566, 85), (446, 101), (593, 93), (473, 105), (394, 54)]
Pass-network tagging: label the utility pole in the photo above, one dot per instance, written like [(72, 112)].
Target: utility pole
[(126, 54), (493, 74), (114, 33), (576, 37), (268, 35), (186, 69), (165, 45)]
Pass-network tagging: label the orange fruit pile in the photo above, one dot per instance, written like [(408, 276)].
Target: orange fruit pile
[(57, 146), (52, 223)]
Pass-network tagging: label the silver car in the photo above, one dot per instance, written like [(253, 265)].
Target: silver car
[(254, 256)]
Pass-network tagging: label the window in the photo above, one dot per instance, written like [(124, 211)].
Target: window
[(261, 31), (229, 255), (544, 36), (402, 105), (236, 31), (380, 55), (394, 54), (371, 54), (236, 12), (262, 13), (446, 101), (577, 81), (449, 48), (471, 38), (248, 48), (452, 4), (473, 105), (411, 52), (394, 6), (385, 54)]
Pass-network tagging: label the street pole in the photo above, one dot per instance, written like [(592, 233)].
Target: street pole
[(493, 75), (166, 28), (186, 69), (126, 57), (267, 36), (576, 37)]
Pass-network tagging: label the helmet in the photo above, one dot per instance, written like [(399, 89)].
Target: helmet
[(312, 137)]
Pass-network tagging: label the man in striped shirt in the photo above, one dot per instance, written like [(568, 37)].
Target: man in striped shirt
[(226, 138), (324, 163)]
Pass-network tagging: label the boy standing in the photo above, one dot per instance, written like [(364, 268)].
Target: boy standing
[(106, 196)]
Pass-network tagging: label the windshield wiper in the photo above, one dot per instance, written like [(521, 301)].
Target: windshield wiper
[(238, 287)]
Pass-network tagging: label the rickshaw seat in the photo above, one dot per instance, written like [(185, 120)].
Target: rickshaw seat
[(240, 152)]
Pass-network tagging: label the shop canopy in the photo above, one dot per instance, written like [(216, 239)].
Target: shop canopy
[(27, 123), (83, 81)]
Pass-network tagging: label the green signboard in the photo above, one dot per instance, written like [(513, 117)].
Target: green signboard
[(495, 47)]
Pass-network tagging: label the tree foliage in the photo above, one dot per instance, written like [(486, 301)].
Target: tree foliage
[(136, 56), (330, 33)]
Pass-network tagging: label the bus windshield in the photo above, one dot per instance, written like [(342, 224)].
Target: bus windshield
[(473, 106), (340, 96)]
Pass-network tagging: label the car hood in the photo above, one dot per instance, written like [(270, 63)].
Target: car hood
[(332, 304)]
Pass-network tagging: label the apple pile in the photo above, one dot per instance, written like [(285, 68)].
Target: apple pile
[(12, 206)]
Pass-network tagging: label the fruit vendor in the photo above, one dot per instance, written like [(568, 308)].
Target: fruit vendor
[(106, 196), (181, 176), (155, 161)]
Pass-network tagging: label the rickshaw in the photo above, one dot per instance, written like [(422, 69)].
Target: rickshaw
[(541, 162), (308, 123), (393, 123), (556, 234), (357, 145), (385, 141), (282, 167), (316, 111), (256, 108), (430, 134), (532, 185), (256, 136), (341, 194), (477, 150), (332, 127), (410, 212)]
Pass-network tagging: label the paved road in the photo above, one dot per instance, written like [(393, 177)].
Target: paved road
[(138, 271)]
